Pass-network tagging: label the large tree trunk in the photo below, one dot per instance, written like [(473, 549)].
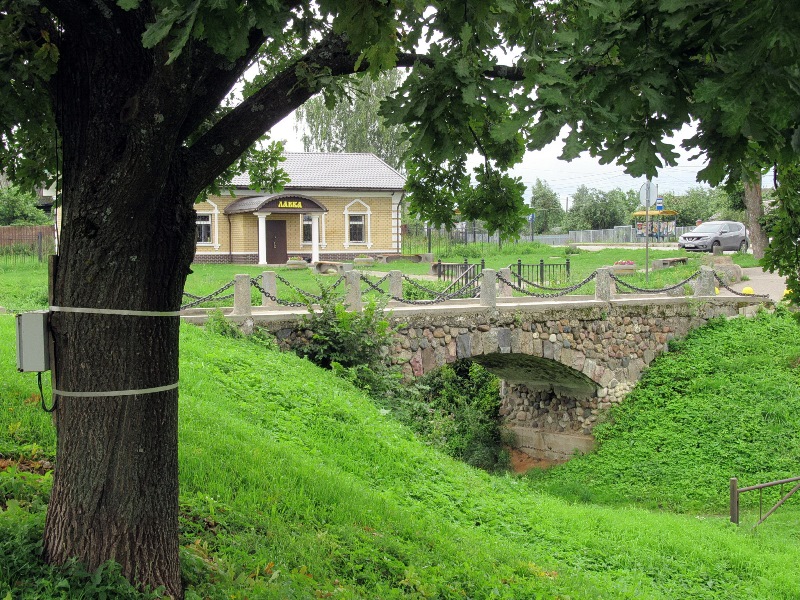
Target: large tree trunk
[(754, 210), (115, 493), (127, 241)]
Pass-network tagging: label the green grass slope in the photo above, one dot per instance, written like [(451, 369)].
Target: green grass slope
[(725, 403), (293, 485)]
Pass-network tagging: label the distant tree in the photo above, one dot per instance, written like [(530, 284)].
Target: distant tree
[(546, 207), (19, 208), (754, 212), (595, 209), (351, 121), (697, 204)]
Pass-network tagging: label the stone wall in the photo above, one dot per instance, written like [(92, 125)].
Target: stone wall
[(552, 411), (557, 411)]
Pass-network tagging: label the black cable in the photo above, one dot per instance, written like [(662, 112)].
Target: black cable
[(41, 395)]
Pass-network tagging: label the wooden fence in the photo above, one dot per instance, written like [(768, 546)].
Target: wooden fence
[(26, 244)]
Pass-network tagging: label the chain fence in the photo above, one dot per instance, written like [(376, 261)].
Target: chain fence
[(724, 285), (470, 289), (558, 291), (212, 297), (255, 284), (664, 290)]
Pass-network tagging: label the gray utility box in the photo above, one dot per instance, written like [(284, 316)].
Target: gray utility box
[(33, 341)]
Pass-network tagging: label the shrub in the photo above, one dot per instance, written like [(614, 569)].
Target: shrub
[(350, 339), (455, 409)]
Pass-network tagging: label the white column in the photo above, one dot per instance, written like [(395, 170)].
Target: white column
[(314, 238), (262, 239)]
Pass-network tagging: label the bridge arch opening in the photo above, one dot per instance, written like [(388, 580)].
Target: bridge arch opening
[(548, 407)]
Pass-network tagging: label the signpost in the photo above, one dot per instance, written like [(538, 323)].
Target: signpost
[(648, 192)]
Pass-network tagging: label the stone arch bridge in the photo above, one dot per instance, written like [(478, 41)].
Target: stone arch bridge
[(563, 361)]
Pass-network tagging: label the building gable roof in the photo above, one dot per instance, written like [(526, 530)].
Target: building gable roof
[(335, 171)]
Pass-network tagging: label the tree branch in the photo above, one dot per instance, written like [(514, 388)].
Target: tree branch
[(240, 128), (213, 79), (213, 76), (511, 73)]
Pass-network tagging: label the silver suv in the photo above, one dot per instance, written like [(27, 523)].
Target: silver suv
[(730, 235)]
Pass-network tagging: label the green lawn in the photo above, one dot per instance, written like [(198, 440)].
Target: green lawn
[(24, 287), (294, 485)]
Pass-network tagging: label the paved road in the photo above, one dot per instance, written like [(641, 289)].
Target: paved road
[(762, 282)]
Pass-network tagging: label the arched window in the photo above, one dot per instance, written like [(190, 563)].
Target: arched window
[(357, 224)]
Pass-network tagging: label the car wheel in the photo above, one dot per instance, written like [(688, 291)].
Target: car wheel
[(716, 244), (743, 246)]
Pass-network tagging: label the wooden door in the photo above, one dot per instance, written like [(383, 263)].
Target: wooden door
[(276, 242)]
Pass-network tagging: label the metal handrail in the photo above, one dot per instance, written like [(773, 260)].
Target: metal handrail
[(735, 490)]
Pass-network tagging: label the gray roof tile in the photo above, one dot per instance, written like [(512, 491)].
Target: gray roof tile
[(340, 171)]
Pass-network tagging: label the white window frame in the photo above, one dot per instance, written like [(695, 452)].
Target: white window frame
[(322, 242), (357, 207), (209, 223)]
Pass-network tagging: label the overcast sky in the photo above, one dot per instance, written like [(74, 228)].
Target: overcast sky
[(566, 177)]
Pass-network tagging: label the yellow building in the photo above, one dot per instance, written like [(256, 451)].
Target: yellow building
[(336, 207)]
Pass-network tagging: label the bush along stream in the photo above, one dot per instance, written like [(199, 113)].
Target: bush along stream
[(455, 409)]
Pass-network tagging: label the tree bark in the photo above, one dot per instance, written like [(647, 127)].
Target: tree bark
[(754, 210), (115, 492), (126, 244)]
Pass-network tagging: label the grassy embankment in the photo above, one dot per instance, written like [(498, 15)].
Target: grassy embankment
[(293, 484)]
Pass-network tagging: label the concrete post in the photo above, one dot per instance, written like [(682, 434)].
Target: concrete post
[(504, 290), (270, 285), (489, 288), (352, 298), (242, 306), (604, 287), (396, 284), (705, 282)]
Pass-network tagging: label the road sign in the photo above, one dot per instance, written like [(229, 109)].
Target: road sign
[(659, 203), (647, 194)]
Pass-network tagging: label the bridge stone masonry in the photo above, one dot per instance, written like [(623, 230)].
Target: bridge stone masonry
[(563, 361)]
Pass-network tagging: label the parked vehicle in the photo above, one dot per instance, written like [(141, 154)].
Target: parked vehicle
[(730, 235)]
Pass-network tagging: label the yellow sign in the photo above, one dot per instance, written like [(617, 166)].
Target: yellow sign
[(290, 204)]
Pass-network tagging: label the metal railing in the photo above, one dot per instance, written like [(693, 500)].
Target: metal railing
[(735, 491), (540, 272), (458, 274), (455, 271)]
